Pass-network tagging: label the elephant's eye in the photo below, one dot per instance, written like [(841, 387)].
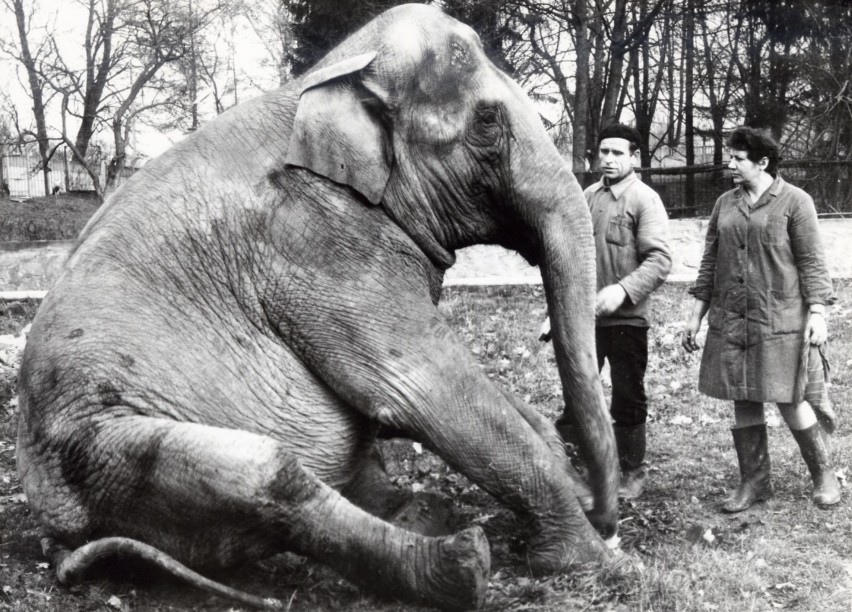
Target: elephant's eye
[(487, 128), (488, 117)]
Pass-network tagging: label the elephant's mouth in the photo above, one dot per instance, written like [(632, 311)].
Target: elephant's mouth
[(526, 245)]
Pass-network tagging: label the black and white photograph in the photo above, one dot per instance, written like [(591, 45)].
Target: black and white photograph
[(366, 305)]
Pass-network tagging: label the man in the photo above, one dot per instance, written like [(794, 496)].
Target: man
[(633, 259)]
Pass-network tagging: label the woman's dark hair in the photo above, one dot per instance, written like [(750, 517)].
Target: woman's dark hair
[(757, 144)]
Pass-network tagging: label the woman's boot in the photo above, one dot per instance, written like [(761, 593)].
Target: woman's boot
[(813, 444), (752, 447)]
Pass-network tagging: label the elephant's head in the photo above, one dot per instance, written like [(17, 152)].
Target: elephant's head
[(420, 122)]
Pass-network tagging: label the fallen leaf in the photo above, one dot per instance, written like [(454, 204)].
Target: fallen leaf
[(681, 419), (418, 448), (483, 518)]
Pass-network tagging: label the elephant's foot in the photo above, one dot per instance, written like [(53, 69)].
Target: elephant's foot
[(458, 572), (580, 544), (429, 514), (450, 572)]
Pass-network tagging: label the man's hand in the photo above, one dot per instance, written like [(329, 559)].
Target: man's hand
[(609, 299), (544, 334), (816, 331)]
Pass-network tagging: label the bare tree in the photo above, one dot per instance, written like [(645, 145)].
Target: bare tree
[(31, 59), (648, 62), (127, 43)]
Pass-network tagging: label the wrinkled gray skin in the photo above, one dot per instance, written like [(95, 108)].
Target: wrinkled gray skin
[(208, 373)]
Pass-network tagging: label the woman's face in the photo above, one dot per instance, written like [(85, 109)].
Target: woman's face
[(744, 171)]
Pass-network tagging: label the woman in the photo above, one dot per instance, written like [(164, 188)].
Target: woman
[(764, 281)]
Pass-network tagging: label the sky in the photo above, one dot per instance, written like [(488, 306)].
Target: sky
[(68, 19)]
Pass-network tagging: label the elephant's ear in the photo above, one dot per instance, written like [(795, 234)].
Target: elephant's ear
[(336, 135)]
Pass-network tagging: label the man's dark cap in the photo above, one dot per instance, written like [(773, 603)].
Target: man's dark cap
[(619, 130)]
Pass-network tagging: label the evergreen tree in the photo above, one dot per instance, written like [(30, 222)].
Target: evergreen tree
[(319, 25)]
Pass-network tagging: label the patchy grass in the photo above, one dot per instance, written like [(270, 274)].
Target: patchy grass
[(679, 552), (59, 217)]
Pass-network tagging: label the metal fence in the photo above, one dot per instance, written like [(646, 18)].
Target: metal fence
[(686, 191), (692, 191), (21, 171)]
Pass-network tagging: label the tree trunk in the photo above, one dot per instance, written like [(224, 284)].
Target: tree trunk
[(580, 144), (36, 92), (616, 64), (96, 75), (689, 128)]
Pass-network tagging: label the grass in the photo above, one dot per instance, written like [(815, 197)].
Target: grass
[(679, 553), (59, 217)]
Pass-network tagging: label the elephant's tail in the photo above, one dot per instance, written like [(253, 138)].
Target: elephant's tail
[(71, 565)]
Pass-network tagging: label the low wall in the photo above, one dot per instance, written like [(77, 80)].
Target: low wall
[(490, 265), (29, 268)]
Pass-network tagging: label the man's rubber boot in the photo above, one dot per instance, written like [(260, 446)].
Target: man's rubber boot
[(814, 447), (752, 445), (630, 442)]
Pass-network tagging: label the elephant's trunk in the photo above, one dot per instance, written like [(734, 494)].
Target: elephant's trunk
[(567, 259)]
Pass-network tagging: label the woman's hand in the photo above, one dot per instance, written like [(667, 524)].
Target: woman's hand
[(690, 335), (691, 327), (816, 330)]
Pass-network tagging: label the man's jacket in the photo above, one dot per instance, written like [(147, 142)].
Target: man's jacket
[(631, 242)]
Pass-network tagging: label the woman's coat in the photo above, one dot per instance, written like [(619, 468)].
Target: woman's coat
[(763, 265)]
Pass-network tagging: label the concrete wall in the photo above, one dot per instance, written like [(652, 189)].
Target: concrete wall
[(488, 265), (27, 267)]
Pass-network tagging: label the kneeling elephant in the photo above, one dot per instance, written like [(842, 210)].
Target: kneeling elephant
[(204, 382)]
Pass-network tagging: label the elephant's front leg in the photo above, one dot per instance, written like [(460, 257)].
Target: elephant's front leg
[(405, 368), (546, 429)]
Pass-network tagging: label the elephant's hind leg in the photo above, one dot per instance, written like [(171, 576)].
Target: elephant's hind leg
[(224, 496)]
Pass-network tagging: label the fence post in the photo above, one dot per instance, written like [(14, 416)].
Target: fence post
[(67, 177)]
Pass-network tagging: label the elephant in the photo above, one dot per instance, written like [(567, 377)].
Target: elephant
[(204, 382)]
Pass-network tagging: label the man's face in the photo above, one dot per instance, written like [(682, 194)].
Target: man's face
[(615, 158)]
